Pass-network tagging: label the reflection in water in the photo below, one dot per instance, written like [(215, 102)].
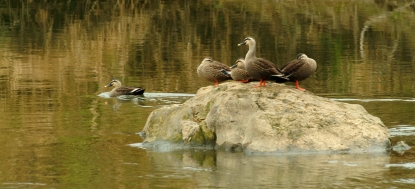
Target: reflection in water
[(148, 99), (56, 56), (217, 169)]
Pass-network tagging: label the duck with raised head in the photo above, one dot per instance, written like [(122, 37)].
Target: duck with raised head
[(297, 70), (238, 72), (120, 90), (258, 68), (210, 70)]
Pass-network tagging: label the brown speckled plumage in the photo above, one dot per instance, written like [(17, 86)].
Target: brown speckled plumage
[(210, 70), (258, 68), (298, 69), (120, 90), (238, 71)]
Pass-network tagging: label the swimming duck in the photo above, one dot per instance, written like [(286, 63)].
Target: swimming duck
[(297, 70), (238, 72), (258, 68), (210, 70), (120, 90)]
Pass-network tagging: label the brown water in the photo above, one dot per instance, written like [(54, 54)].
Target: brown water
[(59, 130)]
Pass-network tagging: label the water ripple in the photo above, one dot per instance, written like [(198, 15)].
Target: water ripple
[(406, 181), (402, 165), (402, 130), (375, 99)]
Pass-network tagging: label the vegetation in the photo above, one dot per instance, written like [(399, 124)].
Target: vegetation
[(56, 55), (149, 41)]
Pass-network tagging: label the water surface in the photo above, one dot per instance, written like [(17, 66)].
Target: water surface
[(59, 129)]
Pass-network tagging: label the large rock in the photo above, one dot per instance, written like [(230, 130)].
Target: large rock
[(275, 118)]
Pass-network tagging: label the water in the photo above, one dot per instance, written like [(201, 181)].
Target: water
[(59, 129)]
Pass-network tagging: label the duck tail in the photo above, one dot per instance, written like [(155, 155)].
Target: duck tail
[(137, 91), (225, 72), (279, 78)]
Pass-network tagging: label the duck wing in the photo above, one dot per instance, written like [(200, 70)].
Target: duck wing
[(293, 66), (290, 70), (217, 70), (261, 69), (219, 66), (267, 65), (130, 90), (226, 72)]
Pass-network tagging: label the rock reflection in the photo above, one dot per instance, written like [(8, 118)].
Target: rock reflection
[(56, 55), (219, 169)]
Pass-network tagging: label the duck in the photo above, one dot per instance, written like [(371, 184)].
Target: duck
[(120, 90), (210, 70), (297, 70), (258, 68), (238, 72)]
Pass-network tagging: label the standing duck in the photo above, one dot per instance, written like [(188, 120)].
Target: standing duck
[(258, 68), (210, 70), (297, 70), (120, 90), (238, 72)]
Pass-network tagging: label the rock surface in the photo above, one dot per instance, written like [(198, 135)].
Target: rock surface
[(401, 146), (275, 118)]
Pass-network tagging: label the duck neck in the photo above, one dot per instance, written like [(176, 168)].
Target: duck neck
[(118, 85), (251, 52)]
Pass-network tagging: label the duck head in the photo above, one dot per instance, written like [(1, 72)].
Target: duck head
[(115, 83), (301, 56), (247, 41), (239, 63), (207, 59)]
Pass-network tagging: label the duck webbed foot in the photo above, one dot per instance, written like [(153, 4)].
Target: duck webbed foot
[(297, 85)]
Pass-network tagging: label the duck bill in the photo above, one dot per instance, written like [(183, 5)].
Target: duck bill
[(243, 43), (233, 66), (109, 85)]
